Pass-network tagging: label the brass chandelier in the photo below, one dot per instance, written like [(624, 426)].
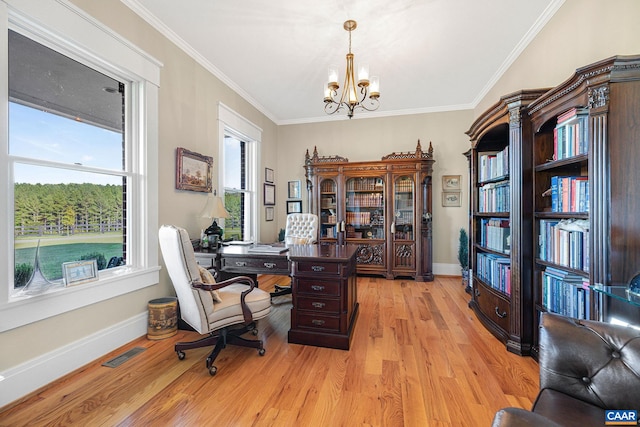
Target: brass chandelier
[(365, 95)]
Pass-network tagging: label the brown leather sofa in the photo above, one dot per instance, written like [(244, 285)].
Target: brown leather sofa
[(586, 367)]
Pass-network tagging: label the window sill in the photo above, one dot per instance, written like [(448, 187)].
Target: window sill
[(24, 309)]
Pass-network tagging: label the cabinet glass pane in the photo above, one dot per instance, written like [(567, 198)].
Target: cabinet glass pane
[(403, 205), (328, 212), (365, 208)]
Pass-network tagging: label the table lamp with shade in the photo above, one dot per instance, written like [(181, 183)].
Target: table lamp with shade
[(214, 209)]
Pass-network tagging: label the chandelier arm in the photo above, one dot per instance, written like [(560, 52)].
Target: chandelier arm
[(374, 105), (331, 107)]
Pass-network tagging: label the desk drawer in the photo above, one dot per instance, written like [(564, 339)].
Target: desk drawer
[(319, 305), (319, 267), (318, 287), (319, 321), (207, 262), (265, 266)]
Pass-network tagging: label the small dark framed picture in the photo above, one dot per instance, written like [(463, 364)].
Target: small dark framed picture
[(269, 213), (269, 194), (294, 206), (268, 175)]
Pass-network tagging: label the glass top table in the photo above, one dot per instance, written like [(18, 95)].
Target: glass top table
[(619, 292)]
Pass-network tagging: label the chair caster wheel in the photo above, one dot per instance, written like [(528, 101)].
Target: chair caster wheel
[(181, 355), (213, 370), (261, 352), (255, 332)]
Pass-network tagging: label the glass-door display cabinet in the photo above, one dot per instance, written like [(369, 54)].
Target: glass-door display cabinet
[(328, 209), (403, 225), (383, 207)]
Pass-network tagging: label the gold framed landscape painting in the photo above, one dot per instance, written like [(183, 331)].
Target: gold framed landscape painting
[(193, 171)]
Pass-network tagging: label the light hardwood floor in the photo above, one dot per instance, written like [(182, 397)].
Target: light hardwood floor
[(419, 357)]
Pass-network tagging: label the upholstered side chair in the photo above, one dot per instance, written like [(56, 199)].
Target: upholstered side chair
[(222, 311), (300, 229)]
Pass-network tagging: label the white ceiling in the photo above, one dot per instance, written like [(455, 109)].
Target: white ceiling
[(430, 55)]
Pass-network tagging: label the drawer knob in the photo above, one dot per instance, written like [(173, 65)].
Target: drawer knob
[(270, 265), (241, 263), (318, 304), (317, 288), (317, 322), (503, 315), (317, 268)]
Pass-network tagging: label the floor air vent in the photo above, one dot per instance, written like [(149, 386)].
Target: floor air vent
[(119, 360)]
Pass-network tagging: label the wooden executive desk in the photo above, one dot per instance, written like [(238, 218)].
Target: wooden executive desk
[(324, 292)]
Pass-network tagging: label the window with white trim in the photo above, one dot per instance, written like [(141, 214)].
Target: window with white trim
[(238, 191), (67, 153), (239, 174), (80, 104)]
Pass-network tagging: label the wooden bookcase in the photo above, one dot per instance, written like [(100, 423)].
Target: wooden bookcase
[(596, 239), (500, 228), (385, 207)]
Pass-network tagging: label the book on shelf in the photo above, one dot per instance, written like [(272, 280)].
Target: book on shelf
[(494, 197), (569, 194), (570, 136), (495, 271), (495, 234), (565, 293), (565, 242), (493, 164)]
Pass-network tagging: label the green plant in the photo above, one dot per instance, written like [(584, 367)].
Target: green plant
[(22, 274), (463, 249), (100, 259)]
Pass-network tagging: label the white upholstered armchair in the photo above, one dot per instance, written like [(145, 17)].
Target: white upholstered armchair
[(222, 311), (301, 229)]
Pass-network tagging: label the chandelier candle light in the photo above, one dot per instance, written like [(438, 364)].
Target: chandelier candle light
[(364, 96)]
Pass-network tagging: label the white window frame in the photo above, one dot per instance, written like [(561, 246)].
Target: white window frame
[(230, 122), (61, 26)]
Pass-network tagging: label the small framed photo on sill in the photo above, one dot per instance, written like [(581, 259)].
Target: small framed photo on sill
[(451, 199), (294, 206), (79, 272)]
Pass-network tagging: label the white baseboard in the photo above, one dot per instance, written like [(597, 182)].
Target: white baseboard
[(29, 376), (446, 269)]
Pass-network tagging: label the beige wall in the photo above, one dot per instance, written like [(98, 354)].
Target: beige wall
[(581, 32), (188, 99), (370, 139)]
